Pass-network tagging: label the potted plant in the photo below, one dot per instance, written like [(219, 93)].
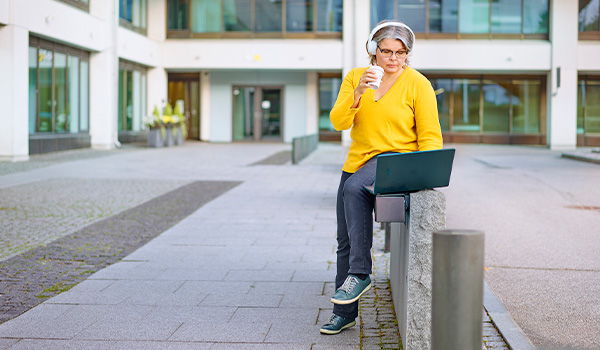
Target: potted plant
[(169, 122), (181, 128), (156, 129)]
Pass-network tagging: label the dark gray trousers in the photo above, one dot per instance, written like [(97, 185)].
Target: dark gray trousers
[(354, 229)]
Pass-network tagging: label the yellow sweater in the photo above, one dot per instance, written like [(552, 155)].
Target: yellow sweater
[(405, 119)]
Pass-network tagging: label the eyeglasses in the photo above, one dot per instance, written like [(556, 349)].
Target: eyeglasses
[(388, 53)]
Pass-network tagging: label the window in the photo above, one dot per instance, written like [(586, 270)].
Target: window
[(329, 87), (589, 26), (254, 18), (132, 96), (82, 4), (133, 14), (489, 105), (588, 102), (58, 88), (467, 18)]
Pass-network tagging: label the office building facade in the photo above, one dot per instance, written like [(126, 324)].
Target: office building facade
[(85, 73)]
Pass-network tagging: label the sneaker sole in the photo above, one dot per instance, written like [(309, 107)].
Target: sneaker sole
[(327, 331), (350, 301)]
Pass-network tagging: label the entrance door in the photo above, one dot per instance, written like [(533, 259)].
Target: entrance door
[(184, 89), (257, 113)]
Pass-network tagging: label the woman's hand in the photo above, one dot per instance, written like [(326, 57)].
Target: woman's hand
[(363, 84)]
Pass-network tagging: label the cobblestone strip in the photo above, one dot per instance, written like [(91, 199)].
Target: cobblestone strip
[(378, 324), (29, 278)]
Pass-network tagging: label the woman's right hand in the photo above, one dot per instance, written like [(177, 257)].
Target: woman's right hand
[(363, 84)]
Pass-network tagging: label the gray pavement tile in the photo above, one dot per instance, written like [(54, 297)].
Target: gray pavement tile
[(121, 271), (261, 346), (185, 297), (284, 241), (275, 315), (335, 347), (260, 275), (242, 300), (327, 257), (217, 287), (47, 344), (314, 276), (94, 313), (118, 330), (91, 286), (306, 301), (48, 321), (88, 298), (309, 334), (294, 288), (215, 314), (159, 345), (7, 343), (234, 265), (242, 332), (187, 274), (297, 265)]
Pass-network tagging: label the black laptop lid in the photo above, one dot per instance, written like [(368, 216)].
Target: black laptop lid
[(414, 171)]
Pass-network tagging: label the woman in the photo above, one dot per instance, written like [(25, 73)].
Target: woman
[(399, 116)]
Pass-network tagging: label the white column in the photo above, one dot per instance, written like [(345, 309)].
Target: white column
[(104, 80), (157, 89), (312, 103), (205, 106), (157, 26), (14, 119), (562, 100)]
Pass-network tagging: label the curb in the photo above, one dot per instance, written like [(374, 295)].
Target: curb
[(511, 332)]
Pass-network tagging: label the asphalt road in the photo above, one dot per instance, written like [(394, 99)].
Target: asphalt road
[(541, 218)]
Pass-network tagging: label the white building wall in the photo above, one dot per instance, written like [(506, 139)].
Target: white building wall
[(252, 54), (14, 139), (5, 11)]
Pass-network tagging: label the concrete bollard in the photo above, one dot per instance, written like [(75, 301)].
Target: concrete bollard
[(457, 290)]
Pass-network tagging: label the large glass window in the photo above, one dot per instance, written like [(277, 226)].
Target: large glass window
[(329, 87), (132, 96), (134, 14), (248, 18), (464, 18), (58, 88), (526, 106), (489, 105), (496, 105), (589, 25), (588, 113)]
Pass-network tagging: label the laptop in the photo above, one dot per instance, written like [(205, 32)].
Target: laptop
[(413, 171)]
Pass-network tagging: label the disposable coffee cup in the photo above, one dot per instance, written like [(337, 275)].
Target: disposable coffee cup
[(379, 72)]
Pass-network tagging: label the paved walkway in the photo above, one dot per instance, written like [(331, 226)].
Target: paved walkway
[(252, 268)]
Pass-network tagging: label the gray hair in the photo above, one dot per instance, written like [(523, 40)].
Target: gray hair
[(401, 33)]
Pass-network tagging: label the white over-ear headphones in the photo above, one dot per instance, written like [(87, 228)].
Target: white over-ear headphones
[(372, 44)]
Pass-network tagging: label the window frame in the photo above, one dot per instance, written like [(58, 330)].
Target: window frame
[(589, 35), (80, 4), (490, 35), (129, 25), (128, 66), (482, 136), (68, 51), (283, 34)]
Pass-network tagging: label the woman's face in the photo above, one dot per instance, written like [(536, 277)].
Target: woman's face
[(390, 55)]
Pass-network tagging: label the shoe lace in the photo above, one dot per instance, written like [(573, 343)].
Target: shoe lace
[(349, 284), (332, 319)]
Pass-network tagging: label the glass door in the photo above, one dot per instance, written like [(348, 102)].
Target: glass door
[(257, 113), (184, 89)]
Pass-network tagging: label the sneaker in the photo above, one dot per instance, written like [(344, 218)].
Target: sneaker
[(352, 289), (336, 324)]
